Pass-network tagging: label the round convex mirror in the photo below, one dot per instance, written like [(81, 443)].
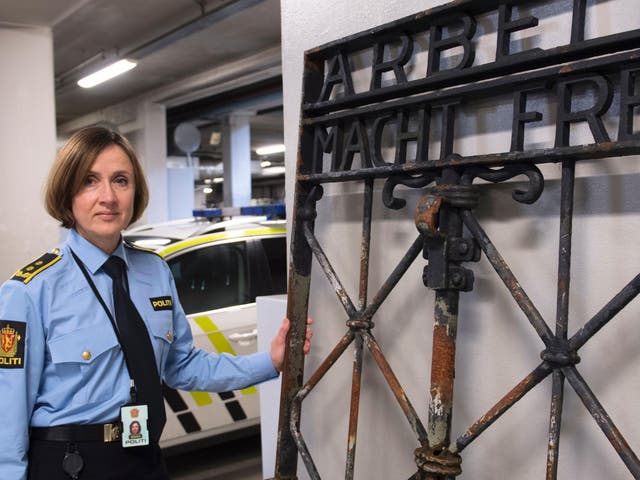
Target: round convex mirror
[(187, 138)]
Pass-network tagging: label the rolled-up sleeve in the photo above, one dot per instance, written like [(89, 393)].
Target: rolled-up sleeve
[(188, 368)]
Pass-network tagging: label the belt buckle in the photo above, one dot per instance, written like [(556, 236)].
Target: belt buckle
[(111, 432)]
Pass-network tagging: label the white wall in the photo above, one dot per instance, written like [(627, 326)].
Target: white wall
[(270, 311), (496, 346), (27, 145)]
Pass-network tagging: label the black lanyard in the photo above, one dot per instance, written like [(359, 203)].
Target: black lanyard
[(111, 319)]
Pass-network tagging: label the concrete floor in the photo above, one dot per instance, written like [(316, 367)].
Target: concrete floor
[(237, 459)]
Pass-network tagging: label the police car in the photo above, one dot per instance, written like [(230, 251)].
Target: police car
[(221, 260)]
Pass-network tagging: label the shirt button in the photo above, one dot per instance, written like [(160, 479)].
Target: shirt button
[(86, 355), (169, 336)]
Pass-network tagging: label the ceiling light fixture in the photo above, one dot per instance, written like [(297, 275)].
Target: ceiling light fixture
[(274, 171), (106, 73), (270, 149), (215, 138), (265, 164)]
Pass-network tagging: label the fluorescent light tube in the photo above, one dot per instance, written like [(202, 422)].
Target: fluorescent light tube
[(270, 149), (273, 170), (106, 73)]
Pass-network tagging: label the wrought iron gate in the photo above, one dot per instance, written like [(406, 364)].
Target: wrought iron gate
[(340, 124)]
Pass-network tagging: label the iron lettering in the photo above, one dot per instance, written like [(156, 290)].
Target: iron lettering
[(400, 122), (339, 74), (335, 145)]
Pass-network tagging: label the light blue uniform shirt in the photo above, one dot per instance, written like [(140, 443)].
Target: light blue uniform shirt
[(67, 366)]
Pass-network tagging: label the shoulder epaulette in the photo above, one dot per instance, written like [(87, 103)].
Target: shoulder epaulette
[(26, 273), (140, 249)]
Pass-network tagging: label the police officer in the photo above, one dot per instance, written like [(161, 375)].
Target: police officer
[(70, 376)]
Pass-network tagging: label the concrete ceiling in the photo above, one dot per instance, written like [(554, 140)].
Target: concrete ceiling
[(172, 40)]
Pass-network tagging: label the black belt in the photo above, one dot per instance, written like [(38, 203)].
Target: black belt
[(95, 432)]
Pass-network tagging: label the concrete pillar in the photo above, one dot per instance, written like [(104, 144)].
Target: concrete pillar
[(27, 145), (237, 160), (151, 146), (180, 194)]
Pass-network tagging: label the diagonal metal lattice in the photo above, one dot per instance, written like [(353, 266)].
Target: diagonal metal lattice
[(338, 128)]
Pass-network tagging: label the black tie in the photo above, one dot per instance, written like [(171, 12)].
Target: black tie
[(135, 342)]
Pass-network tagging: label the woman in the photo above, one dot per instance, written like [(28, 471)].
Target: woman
[(82, 350)]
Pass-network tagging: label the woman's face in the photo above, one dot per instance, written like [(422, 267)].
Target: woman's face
[(104, 205)]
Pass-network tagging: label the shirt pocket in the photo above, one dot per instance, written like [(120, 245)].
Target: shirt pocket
[(88, 362), (161, 330)]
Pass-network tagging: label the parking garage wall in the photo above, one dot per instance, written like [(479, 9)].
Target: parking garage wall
[(27, 144)]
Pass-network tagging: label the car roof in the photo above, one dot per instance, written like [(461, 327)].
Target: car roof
[(159, 235)]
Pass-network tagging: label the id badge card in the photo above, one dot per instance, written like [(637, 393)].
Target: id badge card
[(134, 425)]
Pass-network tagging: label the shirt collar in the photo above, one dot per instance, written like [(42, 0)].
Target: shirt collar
[(92, 256)]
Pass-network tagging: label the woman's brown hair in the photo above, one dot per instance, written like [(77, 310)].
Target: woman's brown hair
[(72, 164)]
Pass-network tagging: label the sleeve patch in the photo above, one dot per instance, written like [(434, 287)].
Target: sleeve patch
[(12, 341), (26, 274)]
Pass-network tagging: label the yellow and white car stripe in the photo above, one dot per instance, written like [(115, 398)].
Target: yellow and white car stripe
[(232, 401), (172, 249)]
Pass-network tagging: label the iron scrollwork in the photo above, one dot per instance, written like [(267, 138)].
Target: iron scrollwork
[(528, 195)]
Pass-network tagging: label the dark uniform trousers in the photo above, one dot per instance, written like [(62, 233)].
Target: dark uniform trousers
[(102, 461)]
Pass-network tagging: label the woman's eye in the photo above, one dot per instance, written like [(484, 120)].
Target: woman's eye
[(122, 181), (89, 180)]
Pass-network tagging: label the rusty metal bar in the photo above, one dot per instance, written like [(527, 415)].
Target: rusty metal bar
[(294, 423), (443, 368), (555, 422), (445, 330), (544, 155), (297, 309), (305, 454), (343, 296), (328, 362), (354, 411), (366, 242), (305, 195), (610, 310), (504, 272), (356, 381), (516, 393), (396, 387), (394, 278), (603, 420), (562, 311), (564, 248)]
